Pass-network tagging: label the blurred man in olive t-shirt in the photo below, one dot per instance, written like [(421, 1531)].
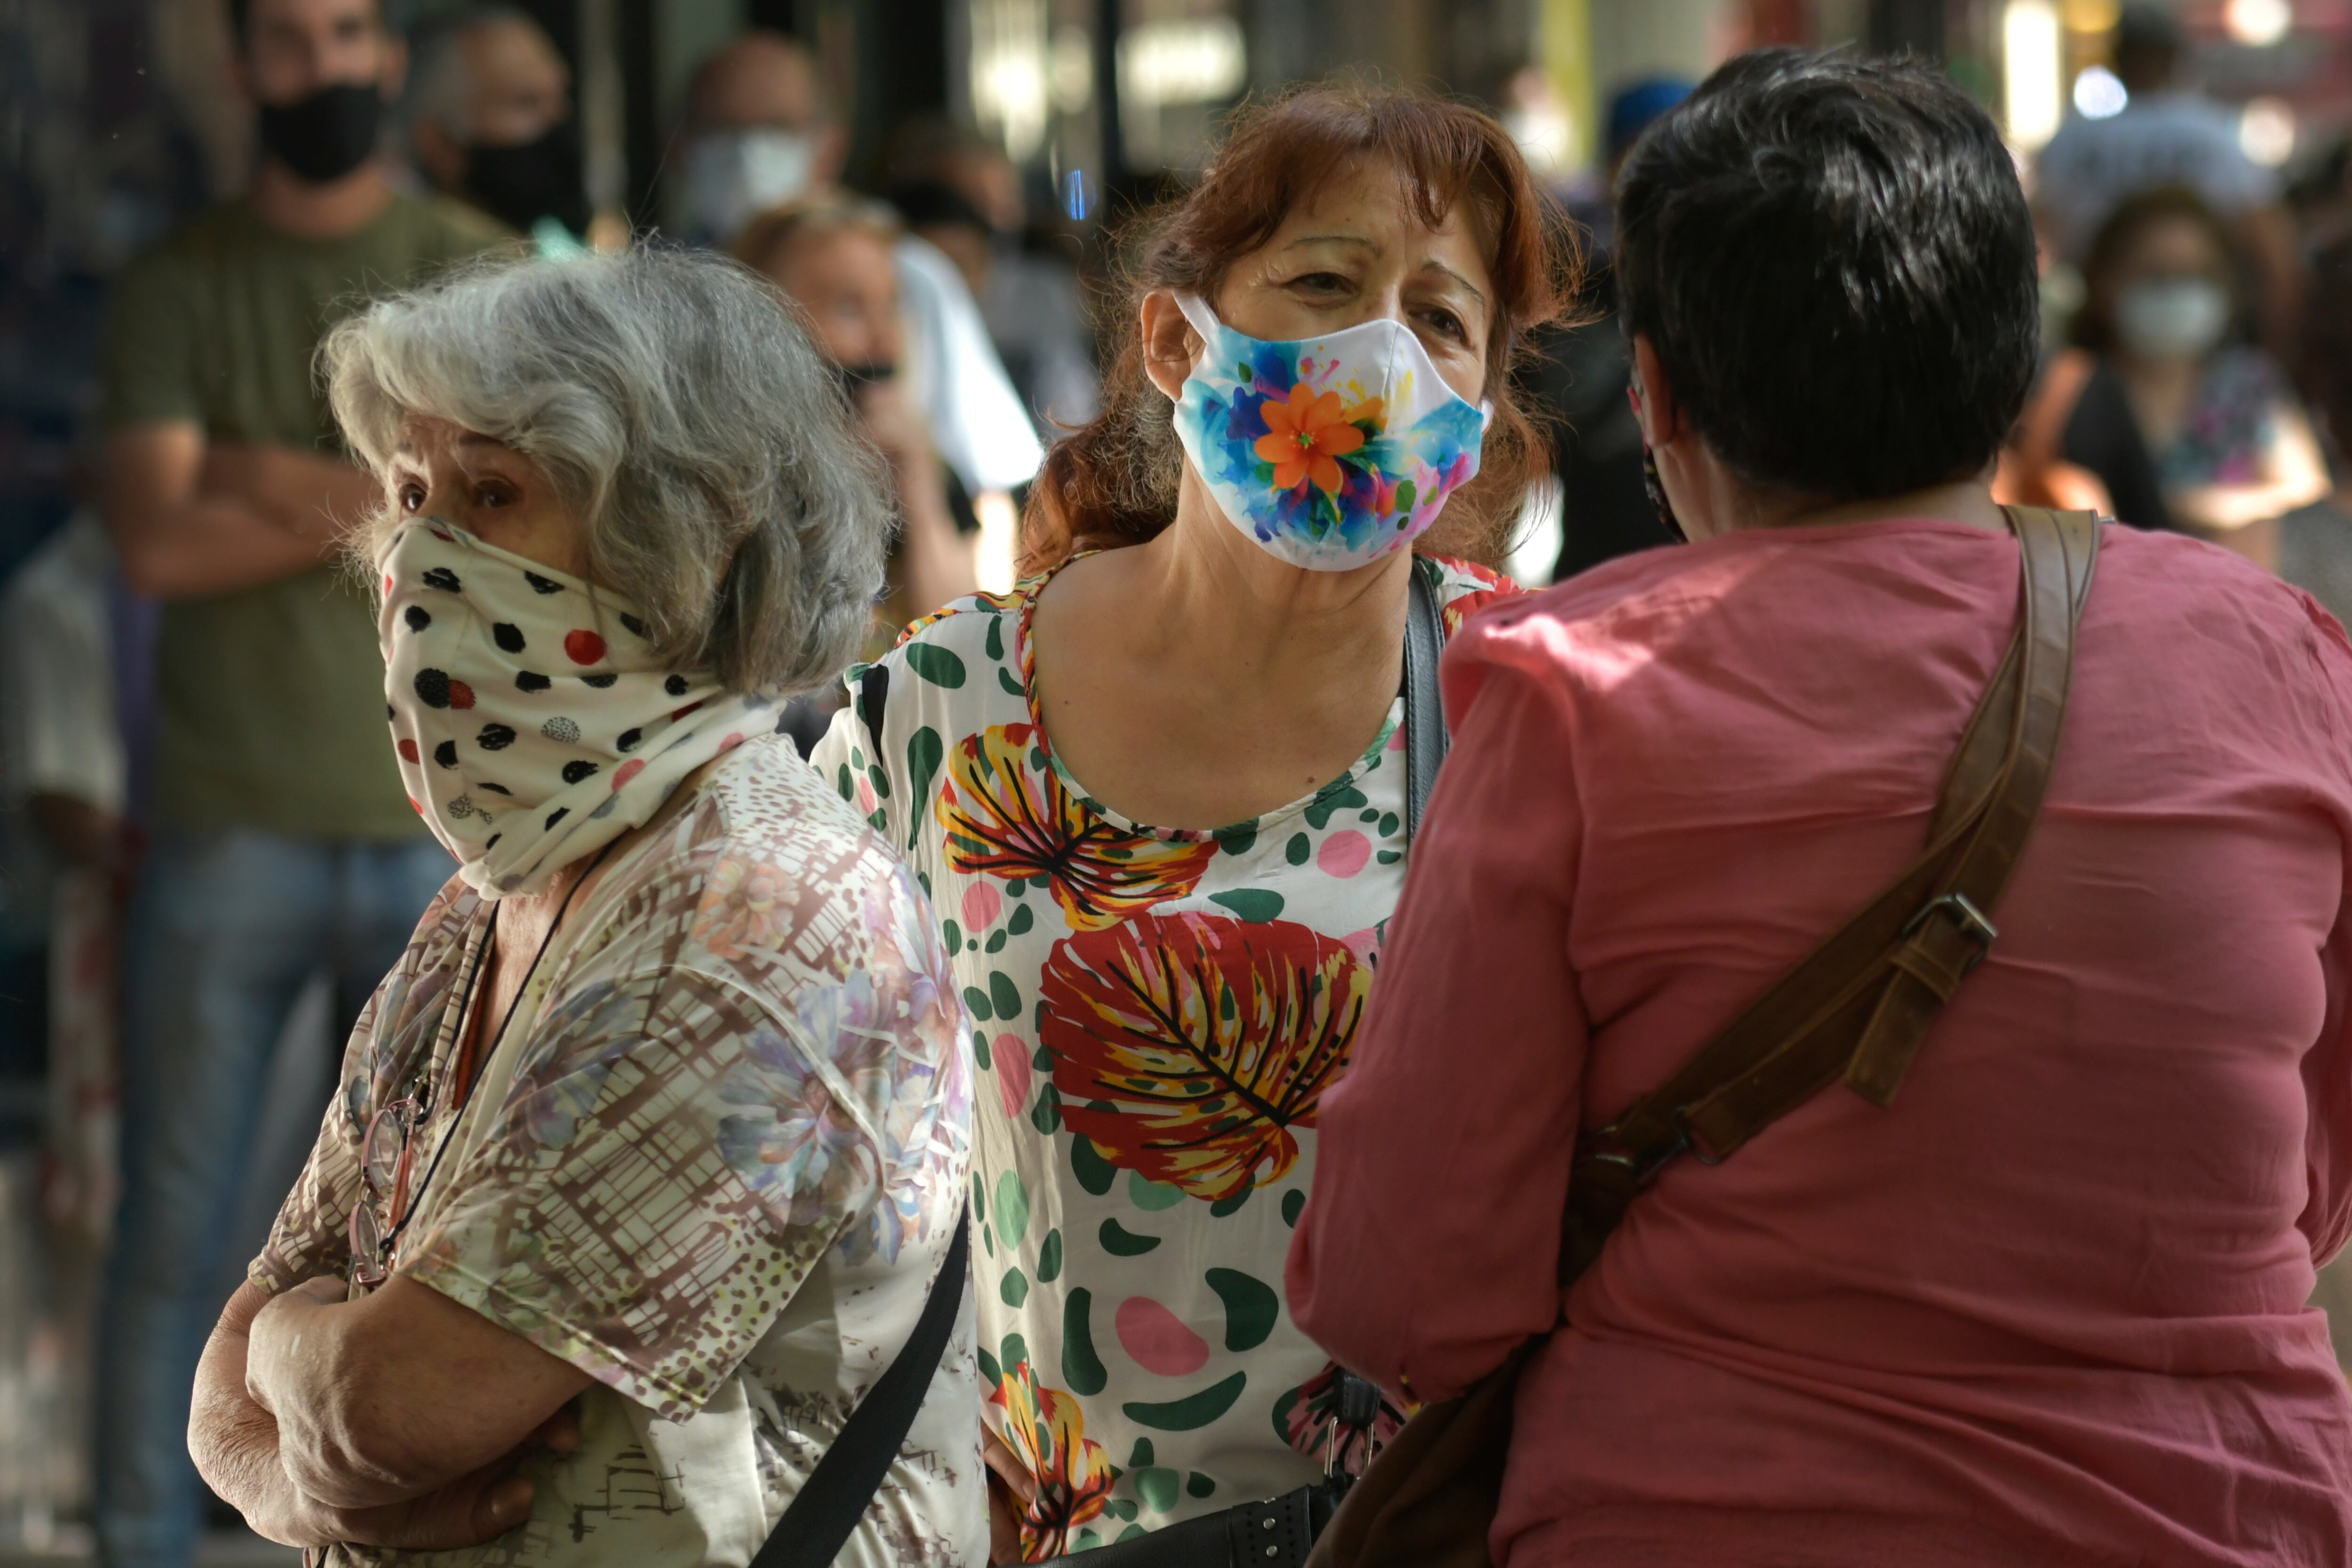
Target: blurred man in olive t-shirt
[(284, 844)]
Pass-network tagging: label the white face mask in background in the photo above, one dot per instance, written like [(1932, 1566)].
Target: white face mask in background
[(735, 175), (2172, 318)]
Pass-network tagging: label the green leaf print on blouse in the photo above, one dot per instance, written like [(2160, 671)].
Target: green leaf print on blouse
[(1189, 1413), (935, 664), (1005, 815), (1082, 1369), (1251, 1308), (1187, 1048), (924, 751)]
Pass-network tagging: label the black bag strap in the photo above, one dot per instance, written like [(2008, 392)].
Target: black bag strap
[(817, 1523), (873, 700), (1426, 739)]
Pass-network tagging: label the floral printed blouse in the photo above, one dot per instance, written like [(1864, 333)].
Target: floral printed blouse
[(716, 1165), (1157, 1012)]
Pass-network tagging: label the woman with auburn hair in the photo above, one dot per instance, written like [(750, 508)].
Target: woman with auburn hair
[(1159, 791)]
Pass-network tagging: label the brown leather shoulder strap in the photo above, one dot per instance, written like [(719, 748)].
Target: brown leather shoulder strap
[(1859, 1005)]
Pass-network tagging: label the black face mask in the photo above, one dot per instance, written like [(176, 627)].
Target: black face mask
[(327, 135), (532, 180)]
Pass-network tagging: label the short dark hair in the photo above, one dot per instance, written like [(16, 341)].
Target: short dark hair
[(1835, 264)]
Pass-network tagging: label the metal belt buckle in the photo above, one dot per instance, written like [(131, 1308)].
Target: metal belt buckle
[(1965, 915)]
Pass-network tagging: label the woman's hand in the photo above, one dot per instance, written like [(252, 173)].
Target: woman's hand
[(1011, 1489), (469, 1511), (466, 1512), (235, 1443), (396, 1396)]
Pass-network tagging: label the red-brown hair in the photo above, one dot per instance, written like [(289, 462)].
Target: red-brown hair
[(1114, 481)]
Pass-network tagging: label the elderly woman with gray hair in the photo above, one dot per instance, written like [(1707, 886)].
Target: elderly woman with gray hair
[(646, 1172)]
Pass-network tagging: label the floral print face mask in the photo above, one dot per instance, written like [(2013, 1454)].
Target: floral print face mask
[(532, 722), (1330, 452)]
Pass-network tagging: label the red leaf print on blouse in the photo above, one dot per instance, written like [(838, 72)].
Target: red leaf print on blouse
[(1209, 1038)]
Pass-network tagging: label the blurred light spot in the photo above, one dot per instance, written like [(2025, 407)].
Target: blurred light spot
[(2093, 15), (1539, 123), (2266, 131), (1071, 69), (1008, 72), (1199, 59), (2258, 22), (2099, 94), (1077, 195), (2032, 78)]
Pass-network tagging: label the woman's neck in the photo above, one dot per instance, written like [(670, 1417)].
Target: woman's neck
[(1208, 600), (1969, 502)]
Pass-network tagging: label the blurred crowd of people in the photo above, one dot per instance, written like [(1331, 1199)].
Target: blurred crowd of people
[(203, 818)]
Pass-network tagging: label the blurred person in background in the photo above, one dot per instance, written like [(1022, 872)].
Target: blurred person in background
[(2169, 134), (760, 132), (2044, 1305), (1578, 373), (491, 123), (1158, 792), (64, 793), (2315, 542), (2184, 424), (958, 190), (284, 843), (831, 255), (649, 1155)]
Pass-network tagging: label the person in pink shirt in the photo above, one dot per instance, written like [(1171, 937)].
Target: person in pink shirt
[(2049, 1306)]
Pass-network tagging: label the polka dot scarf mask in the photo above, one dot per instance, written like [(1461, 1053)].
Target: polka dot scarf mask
[(533, 722)]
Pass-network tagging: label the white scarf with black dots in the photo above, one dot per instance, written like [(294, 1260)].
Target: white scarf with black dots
[(532, 723)]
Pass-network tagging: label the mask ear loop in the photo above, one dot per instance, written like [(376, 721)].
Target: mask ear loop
[(1196, 310)]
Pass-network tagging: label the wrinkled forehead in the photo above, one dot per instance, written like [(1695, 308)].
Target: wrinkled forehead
[(426, 438), (1369, 206)]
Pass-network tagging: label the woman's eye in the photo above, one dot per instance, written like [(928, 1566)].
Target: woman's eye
[(411, 496), (495, 496), (1448, 323), (1320, 282)]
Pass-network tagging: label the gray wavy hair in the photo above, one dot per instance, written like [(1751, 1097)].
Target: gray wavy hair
[(680, 411)]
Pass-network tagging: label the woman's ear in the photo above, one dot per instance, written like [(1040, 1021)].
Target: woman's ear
[(1170, 346), (1653, 397)]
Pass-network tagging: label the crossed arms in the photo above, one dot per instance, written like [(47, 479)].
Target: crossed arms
[(394, 1420)]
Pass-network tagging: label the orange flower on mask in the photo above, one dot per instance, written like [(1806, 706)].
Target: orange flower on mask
[(1306, 438)]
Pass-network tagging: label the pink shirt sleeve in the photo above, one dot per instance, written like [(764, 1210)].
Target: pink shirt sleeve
[(1428, 1247)]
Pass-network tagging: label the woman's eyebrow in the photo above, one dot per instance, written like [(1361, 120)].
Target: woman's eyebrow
[(1475, 292)]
